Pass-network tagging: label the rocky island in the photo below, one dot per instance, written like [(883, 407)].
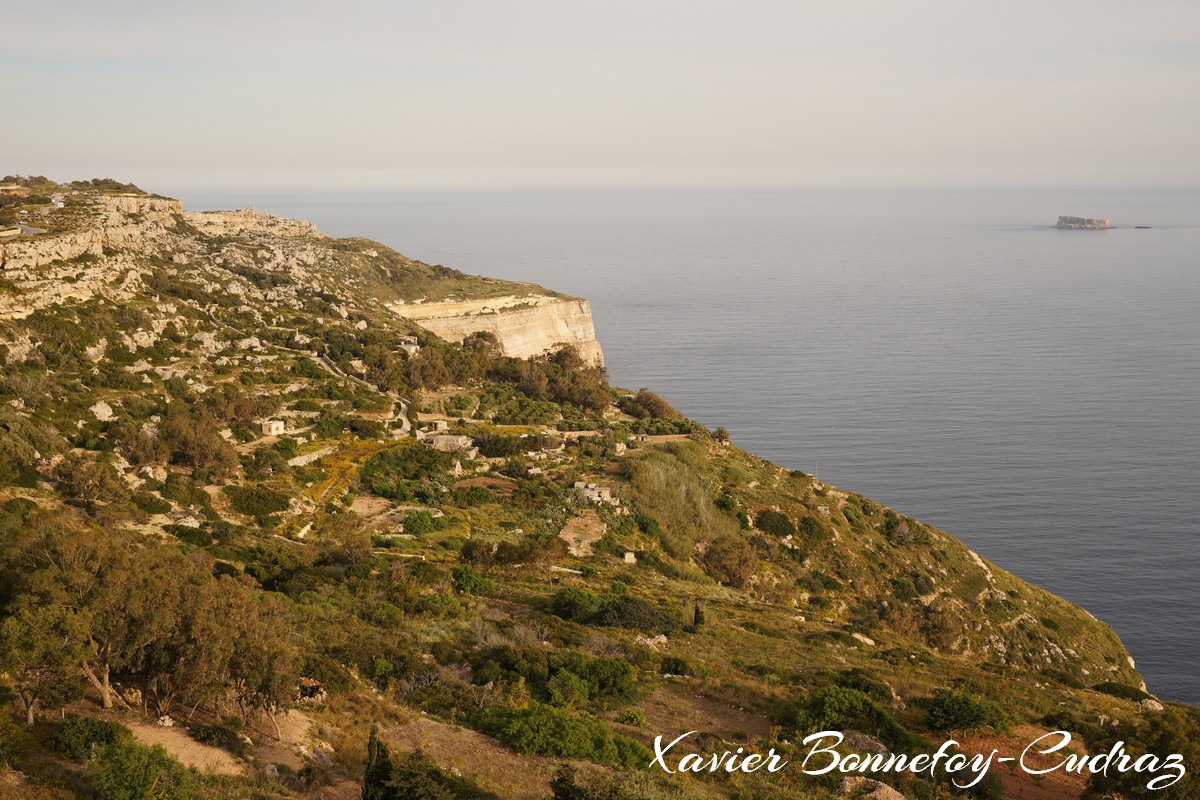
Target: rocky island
[(344, 524), (1083, 223)]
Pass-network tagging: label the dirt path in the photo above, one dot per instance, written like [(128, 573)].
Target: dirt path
[(178, 743)]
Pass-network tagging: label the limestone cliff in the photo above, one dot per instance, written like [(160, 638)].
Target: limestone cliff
[(525, 326), (108, 246)]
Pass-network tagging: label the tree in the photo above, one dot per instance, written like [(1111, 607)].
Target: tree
[(379, 768), (89, 574), (697, 615), (39, 648), (648, 404), (730, 560), (263, 663)]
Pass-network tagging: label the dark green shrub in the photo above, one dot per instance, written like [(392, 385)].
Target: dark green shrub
[(630, 612), (839, 708), (150, 503), (674, 665), (15, 740), (256, 501), (952, 711), (126, 770), (221, 736), (420, 523), (770, 521), (573, 603), (78, 735), (1122, 690), (545, 730), (468, 581)]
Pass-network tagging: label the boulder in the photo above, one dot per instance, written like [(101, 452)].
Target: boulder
[(866, 788)]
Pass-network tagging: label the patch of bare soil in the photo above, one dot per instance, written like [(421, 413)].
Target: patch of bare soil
[(673, 709), (1018, 784), (499, 485), (295, 739), (369, 506), (481, 758), (581, 532), (178, 743)]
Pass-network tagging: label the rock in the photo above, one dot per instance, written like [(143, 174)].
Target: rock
[(524, 326), (102, 411), (1083, 223), (209, 343), (869, 642), (165, 721), (867, 788), (859, 742), (96, 351), (1150, 704)]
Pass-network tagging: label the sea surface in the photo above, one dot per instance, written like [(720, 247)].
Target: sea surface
[(1034, 392)]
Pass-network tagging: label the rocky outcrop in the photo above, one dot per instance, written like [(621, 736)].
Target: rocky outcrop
[(524, 326), (121, 222), (248, 220), (1083, 223)]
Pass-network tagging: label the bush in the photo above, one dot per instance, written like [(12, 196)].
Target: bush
[(78, 735), (544, 730), (673, 665), (15, 741), (150, 503), (256, 501), (128, 771), (397, 472), (574, 604), (221, 736), (1121, 690), (468, 581), (648, 404), (420, 523), (630, 612), (839, 708), (730, 560), (951, 711), (774, 522), (631, 717)]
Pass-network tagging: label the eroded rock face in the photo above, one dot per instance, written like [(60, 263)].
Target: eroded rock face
[(229, 223), (1084, 223), (524, 326)]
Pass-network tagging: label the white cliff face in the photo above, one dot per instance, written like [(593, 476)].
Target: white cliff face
[(122, 222), (524, 326), (248, 220), (127, 236)]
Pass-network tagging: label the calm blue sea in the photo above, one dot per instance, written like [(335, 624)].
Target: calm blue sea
[(1034, 392)]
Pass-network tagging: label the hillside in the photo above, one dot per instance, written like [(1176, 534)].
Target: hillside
[(282, 487)]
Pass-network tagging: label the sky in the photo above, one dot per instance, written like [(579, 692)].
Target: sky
[(557, 93)]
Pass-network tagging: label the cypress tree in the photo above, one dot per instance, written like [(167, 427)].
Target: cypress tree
[(379, 769)]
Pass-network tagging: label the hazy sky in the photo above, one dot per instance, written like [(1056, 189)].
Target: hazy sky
[(564, 93)]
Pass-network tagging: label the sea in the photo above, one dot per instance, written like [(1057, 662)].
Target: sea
[(1034, 392)]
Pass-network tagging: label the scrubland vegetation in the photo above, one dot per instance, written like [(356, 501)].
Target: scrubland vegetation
[(161, 557)]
